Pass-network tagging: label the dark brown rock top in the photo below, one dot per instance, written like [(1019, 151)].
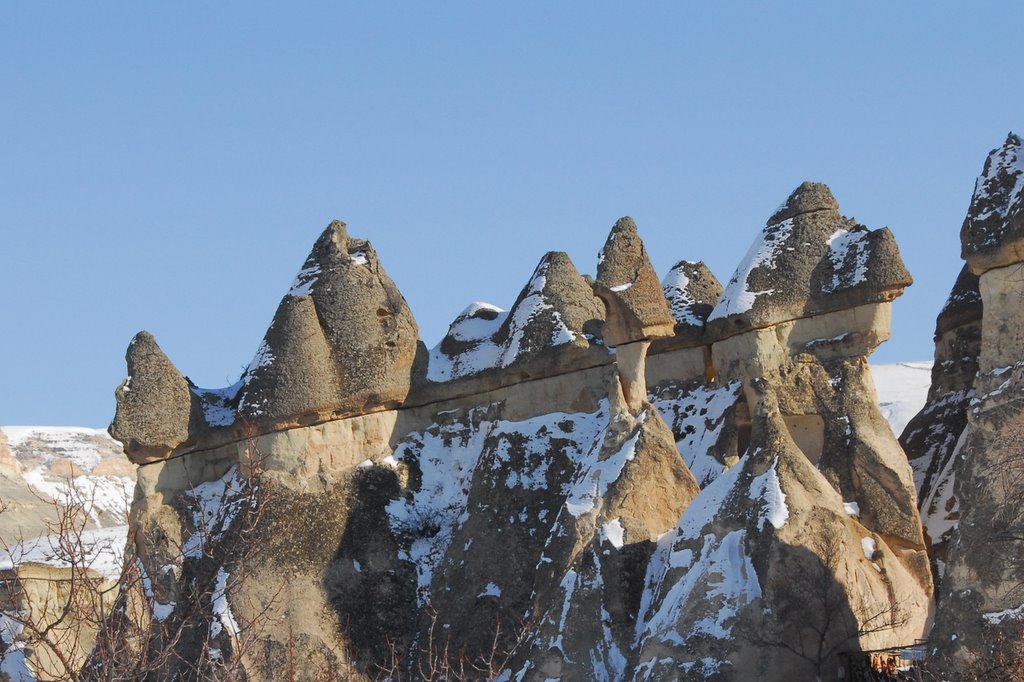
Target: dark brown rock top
[(809, 260), (635, 304), (993, 231)]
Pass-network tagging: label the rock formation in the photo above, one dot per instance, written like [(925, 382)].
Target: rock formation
[(980, 612), (629, 480), (821, 478), (934, 437)]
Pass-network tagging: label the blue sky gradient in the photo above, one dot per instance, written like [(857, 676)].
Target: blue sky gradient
[(167, 167)]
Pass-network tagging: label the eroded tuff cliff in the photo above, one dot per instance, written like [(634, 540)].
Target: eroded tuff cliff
[(615, 479), (971, 465)]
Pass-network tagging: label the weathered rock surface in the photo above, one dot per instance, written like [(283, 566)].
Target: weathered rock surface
[(523, 500), (692, 292), (981, 607), (154, 404), (933, 438), (992, 235), (627, 284), (342, 342), (809, 260)]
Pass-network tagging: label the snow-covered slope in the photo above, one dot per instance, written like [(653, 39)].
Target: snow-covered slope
[(902, 390), (43, 465)]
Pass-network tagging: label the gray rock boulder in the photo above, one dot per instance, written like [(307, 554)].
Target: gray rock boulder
[(343, 341), (809, 260), (629, 287), (993, 231), (154, 404)]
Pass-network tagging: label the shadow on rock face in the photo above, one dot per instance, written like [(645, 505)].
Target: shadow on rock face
[(372, 592)]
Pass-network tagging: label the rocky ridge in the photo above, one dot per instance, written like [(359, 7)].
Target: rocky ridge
[(615, 480)]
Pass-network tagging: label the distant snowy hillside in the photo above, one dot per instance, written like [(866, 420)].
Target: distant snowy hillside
[(41, 464), (902, 391)]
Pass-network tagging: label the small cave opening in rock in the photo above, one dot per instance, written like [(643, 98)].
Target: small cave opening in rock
[(808, 432)]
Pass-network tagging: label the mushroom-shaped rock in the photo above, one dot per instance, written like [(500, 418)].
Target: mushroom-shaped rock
[(636, 309), (342, 342), (154, 404), (556, 313), (993, 232), (692, 292), (809, 260)]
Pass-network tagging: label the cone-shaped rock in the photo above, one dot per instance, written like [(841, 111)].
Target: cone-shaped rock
[(629, 287), (342, 342), (549, 330), (766, 558), (993, 231), (809, 260), (692, 292), (154, 404)]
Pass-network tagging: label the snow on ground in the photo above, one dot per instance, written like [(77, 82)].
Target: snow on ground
[(102, 550), (902, 391)]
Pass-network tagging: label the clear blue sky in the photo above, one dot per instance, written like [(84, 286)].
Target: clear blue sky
[(166, 166)]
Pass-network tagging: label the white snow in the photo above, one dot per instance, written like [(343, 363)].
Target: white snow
[(589, 488), (360, 257), (304, 281), (478, 331), (902, 391), (74, 443), (613, 533), (214, 506), (738, 296), (848, 251), (223, 618), (698, 417), (766, 488), (723, 579), (100, 549), (997, 617), (868, 545), (216, 402), (941, 511), (851, 508)]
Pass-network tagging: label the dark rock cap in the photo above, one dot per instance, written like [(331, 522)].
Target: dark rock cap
[(964, 304), (342, 342), (154, 404), (993, 231), (692, 291), (809, 260), (635, 304), (808, 197)]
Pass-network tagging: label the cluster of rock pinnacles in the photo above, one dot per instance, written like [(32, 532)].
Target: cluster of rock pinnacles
[(619, 477)]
